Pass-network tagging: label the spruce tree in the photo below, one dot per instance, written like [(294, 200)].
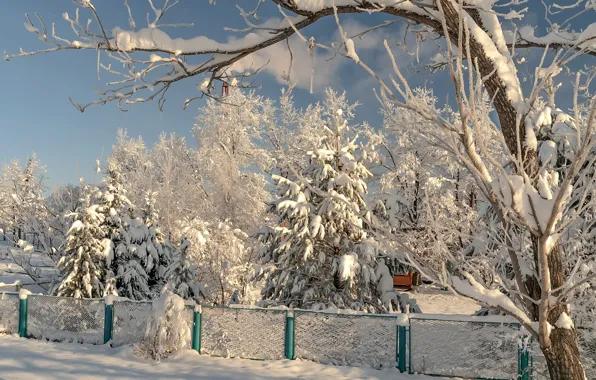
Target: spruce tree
[(130, 254), (181, 275), (155, 242), (83, 263), (320, 254)]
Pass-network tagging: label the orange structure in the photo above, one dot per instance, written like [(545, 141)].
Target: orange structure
[(403, 282)]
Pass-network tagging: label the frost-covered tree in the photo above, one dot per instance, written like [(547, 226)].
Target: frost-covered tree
[(133, 160), (22, 207), (60, 205), (181, 276), (224, 257), (320, 254), (83, 264), (228, 135)]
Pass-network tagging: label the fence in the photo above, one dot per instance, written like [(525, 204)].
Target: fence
[(476, 347)]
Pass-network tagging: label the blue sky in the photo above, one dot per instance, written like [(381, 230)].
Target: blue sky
[(36, 115)]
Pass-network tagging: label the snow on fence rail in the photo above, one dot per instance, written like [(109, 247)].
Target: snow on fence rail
[(466, 347)]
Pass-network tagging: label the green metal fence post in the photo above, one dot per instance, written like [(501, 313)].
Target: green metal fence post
[(196, 330), (23, 313), (108, 322), (401, 351), (523, 353), (289, 336)]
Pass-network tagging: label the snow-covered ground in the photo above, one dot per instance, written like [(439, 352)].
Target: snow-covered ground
[(30, 360), (432, 300)]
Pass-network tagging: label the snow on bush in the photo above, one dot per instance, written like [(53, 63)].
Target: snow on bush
[(168, 332)]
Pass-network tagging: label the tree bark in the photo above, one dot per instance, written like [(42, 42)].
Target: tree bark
[(563, 358), (562, 354)]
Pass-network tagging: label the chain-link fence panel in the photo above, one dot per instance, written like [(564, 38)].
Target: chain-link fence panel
[(345, 339), (66, 319), (587, 340), (464, 349), (9, 313), (131, 319), (243, 333)]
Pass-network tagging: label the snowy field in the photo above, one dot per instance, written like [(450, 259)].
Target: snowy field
[(31, 360)]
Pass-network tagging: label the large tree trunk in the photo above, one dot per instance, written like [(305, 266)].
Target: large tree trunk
[(562, 355), (563, 358)]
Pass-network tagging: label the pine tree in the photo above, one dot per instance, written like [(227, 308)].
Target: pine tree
[(83, 263), (181, 275), (125, 237), (321, 255), (155, 242)]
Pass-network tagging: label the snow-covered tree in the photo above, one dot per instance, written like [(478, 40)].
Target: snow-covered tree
[(181, 276), (133, 248), (224, 257), (60, 205), (133, 160), (83, 265), (22, 208), (228, 136), (155, 239), (320, 255), (179, 183), (168, 332)]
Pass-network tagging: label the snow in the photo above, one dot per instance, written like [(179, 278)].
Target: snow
[(548, 154), (346, 265), (538, 210), (351, 50), (544, 188), (30, 28), (403, 320), (491, 297), (564, 322), (531, 142), (34, 360), (437, 302), (23, 294), (504, 66)]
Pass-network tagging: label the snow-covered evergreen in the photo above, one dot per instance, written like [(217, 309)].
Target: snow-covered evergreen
[(321, 255), (155, 241), (83, 263), (181, 275), (132, 248)]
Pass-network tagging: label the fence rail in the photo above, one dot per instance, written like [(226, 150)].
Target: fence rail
[(456, 346)]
